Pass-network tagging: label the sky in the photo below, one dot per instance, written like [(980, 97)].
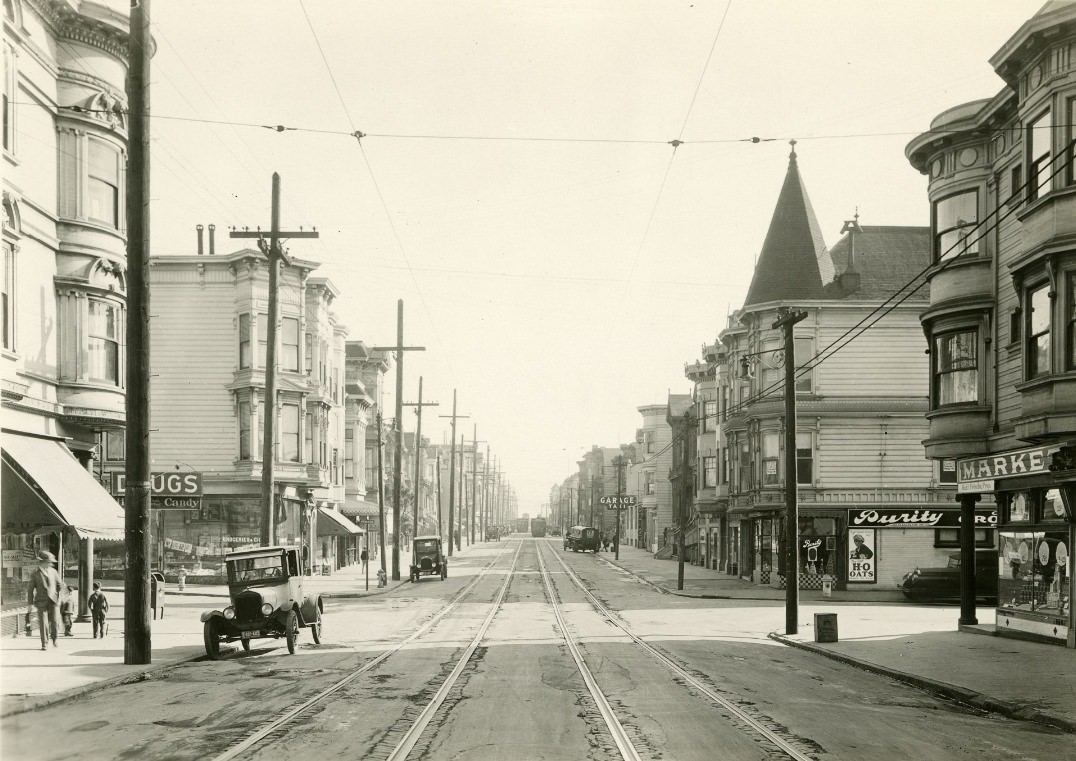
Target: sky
[(567, 196)]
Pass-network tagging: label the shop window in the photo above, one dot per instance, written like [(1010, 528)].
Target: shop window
[(103, 342), (103, 183), (804, 359), (1019, 506), (956, 367), (1053, 507), (289, 344), (244, 341), (1039, 141), (804, 459), (1037, 344), (771, 453), (289, 433), (950, 537), (246, 451), (8, 296), (955, 220), (1033, 572)]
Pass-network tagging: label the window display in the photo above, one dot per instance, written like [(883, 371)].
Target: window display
[(1034, 572)]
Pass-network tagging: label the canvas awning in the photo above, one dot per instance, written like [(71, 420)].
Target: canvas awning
[(46, 471), (332, 523), (353, 507)]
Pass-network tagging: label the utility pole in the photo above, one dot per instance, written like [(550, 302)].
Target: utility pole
[(418, 449), (463, 492), (381, 488), (399, 348), (440, 525), (137, 639), (452, 479), (485, 498), (474, 478), (619, 492), (276, 254), (787, 320)]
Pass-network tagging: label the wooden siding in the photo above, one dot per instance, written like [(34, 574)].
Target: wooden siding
[(888, 360), (872, 453)]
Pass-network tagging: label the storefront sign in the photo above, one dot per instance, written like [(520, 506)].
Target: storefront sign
[(861, 560), (175, 503), (615, 503), (1019, 462), (921, 518), (167, 484), (975, 487)]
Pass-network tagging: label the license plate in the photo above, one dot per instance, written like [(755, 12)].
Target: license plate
[(250, 635)]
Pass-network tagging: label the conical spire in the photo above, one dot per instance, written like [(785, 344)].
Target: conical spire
[(794, 264)]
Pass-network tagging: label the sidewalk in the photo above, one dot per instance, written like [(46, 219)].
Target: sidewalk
[(922, 645), (917, 644)]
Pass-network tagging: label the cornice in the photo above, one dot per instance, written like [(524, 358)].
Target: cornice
[(68, 23)]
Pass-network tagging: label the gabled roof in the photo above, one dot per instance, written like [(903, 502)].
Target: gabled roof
[(793, 265), (886, 258)]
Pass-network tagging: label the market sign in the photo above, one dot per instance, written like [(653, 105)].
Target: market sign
[(1019, 462), (617, 503), (922, 518)]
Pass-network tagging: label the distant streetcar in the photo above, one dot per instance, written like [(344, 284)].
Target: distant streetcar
[(537, 526), (522, 525)]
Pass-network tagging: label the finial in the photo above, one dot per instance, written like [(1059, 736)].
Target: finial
[(793, 154)]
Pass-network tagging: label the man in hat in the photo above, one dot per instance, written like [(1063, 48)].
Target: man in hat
[(43, 593)]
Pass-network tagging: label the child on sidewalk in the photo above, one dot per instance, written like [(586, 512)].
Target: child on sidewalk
[(98, 605), (67, 610)]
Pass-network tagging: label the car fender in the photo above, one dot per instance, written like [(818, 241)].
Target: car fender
[(308, 611), (210, 614)]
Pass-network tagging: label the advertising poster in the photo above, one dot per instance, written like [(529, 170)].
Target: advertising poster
[(861, 560)]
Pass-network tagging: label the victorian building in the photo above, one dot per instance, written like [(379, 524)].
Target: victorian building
[(1002, 393), (64, 286)]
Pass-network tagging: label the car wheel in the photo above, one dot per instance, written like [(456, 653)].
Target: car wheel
[(291, 630), (211, 636), (315, 628), (246, 645)]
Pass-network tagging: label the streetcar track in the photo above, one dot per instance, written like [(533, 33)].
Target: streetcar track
[(741, 718), (273, 727)]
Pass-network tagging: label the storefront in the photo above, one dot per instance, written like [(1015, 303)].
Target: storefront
[(1035, 489)]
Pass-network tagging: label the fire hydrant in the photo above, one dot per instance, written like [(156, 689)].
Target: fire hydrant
[(827, 585), (382, 579), (182, 579)]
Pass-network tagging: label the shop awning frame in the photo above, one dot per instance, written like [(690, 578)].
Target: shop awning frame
[(332, 523)]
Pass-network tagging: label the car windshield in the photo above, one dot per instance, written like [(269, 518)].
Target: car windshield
[(426, 545), (255, 569)]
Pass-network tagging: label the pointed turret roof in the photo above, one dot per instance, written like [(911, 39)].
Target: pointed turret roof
[(794, 264)]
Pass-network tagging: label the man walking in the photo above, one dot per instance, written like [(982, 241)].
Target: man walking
[(43, 593)]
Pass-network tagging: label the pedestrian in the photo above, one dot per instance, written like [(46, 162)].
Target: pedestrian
[(67, 610), (43, 593), (98, 605), (365, 556)]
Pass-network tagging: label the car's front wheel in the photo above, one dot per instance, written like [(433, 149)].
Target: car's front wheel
[(315, 627), (246, 645), (291, 630), (211, 636)]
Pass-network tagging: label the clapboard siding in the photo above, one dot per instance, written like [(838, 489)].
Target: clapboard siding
[(887, 360), (883, 453), (194, 356)]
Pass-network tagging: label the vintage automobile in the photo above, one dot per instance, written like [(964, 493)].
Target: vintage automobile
[(554, 530), (582, 539), (267, 600), (942, 584), (428, 558)]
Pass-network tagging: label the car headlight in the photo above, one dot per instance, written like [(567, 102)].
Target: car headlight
[(267, 609), (229, 613)]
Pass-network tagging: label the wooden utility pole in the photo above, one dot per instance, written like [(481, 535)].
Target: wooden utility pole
[(787, 320), (399, 348), (463, 492), (474, 478), (485, 498), (440, 525), (381, 489), (275, 253), (137, 640), (418, 449), (452, 540)]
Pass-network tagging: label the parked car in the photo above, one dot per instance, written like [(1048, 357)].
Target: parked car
[(942, 584), (265, 588), (582, 539), (428, 558), (554, 530)]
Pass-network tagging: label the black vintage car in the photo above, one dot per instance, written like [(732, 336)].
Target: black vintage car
[(942, 584), (267, 600), (582, 539), (428, 558)]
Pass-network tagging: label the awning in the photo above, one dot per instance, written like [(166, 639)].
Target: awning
[(51, 473), (332, 523), (353, 507)]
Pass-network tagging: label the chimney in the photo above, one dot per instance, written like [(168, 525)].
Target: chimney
[(849, 280), (199, 228), (212, 244)]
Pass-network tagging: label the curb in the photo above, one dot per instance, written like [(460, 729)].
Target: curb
[(944, 689)]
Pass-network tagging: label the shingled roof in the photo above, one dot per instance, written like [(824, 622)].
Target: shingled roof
[(794, 264), (886, 259)]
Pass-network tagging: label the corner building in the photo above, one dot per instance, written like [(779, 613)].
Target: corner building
[(1002, 315)]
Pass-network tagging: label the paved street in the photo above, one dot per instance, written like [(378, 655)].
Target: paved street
[(519, 695)]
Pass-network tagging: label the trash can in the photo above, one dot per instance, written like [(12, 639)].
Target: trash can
[(825, 627), (156, 592)]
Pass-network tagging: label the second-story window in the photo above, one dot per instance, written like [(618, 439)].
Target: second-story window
[(103, 342), (1039, 140), (1070, 323), (956, 367), (8, 295), (349, 453), (245, 356), (289, 433), (955, 219), (771, 453), (709, 469), (115, 446), (246, 452), (709, 416), (804, 361), (1037, 343), (804, 459), (104, 183), (289, 344), (263, 339)]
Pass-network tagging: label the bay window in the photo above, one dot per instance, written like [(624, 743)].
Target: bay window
[(709, 467), (103, 183), (246, 452), (955, 219), (771, 453), (103, 342), (804, 348), (245, 357), (289, 433), (956, 367), (804, 459), (289, 344), (1037, 343), (8, 296), (1039, 140)]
